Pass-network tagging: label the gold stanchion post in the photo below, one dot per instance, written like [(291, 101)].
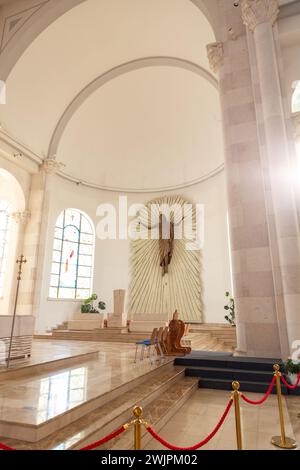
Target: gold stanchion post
[(238, 426), (138, 412), (281, 441)]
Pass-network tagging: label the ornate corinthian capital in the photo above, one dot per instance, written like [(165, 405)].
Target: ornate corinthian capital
[(255, 12), (215, 54), (51, 166), (21, 217)]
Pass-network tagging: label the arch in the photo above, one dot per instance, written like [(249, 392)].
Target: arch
[(45, 15), (72, 256), (12, 199), (11, 188), (115, 72)]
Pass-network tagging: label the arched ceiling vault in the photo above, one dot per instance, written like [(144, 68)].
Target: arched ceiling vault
[(117, 72), (119, 91), (49, 12)]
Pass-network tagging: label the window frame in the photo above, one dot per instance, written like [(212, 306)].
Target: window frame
[(60, 251)]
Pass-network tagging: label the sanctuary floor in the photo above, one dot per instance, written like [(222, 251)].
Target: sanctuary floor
[(200, 414), (72, 393)]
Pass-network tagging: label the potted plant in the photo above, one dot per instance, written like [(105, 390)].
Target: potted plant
[(292, 369), (88, 305), (230, 308)]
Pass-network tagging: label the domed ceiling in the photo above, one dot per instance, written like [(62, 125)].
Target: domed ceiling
[(120, 91)]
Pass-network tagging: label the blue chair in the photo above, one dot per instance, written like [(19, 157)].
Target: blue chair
[(146, 344)]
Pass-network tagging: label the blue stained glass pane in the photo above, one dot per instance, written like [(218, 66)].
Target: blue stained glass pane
[(68, 276), (71, 234)]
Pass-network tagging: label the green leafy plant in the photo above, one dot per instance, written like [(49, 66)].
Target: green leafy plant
[(102, 305), (230, 308), (88, 305), (292, 367)]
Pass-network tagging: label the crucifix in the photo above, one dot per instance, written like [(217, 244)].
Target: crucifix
[(20, 261), (166, 241)]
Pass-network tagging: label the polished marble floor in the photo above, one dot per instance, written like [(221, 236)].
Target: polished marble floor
[(198, 417), (38, 398), (35, 400), (44, 351)]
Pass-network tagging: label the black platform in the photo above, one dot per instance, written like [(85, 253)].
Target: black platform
[(218, 371)]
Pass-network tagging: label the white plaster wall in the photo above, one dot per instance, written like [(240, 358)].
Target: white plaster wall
[(112, 257)]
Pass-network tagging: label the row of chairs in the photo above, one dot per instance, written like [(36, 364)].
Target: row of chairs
[(157, 344)]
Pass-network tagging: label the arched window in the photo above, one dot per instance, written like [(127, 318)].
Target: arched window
[(73, 253), (4, 233)]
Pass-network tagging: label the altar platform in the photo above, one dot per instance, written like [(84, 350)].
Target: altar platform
[(71, 393), (68, 405)]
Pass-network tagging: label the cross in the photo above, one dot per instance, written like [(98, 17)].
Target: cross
[(21, 261)]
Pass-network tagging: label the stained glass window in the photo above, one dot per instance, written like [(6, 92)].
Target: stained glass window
[(72, 260), (4, 233)]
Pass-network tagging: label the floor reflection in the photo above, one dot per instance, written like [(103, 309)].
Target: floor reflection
[(61, 392)]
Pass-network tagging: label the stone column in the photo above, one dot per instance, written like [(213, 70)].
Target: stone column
[(282, 217), (34, 238), (254, 290)]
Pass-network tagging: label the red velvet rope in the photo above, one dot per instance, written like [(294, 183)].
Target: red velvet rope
[(197, 446), (291, 387), (4, 447), (105, 439), (260, 402)]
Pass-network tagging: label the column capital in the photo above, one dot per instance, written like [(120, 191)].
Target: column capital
[(21, 217), (215, 54), (255, 12), (51, 166)]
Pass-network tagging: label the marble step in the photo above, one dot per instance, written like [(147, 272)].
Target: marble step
[(26, 418), (98, 335), (114, 413), (24, 369), (159, 413)]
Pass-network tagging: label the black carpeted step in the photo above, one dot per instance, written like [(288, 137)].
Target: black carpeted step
[(229, 374), (255, 387), (227, 362)]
